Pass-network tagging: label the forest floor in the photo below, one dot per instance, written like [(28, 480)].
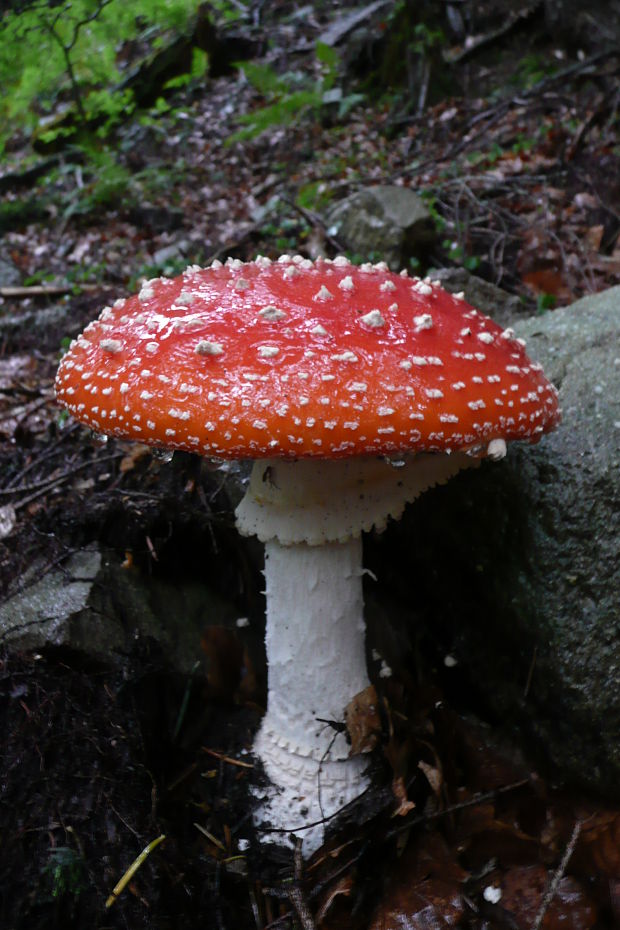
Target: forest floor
[(520, 165)]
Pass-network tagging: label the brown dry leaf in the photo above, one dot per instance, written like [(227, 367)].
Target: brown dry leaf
[(399, 788), (424, 890), (585, 200), (484, 836), (135, 454), (434, 776), (433, 903), (523, 892), (607, 264), (594, 236), (342, 887), (555, 194), (598, 848), (547, 281), (362, 721), (597, 851)]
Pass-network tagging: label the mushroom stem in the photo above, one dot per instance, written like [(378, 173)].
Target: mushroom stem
[(316, 655), (310, 515)]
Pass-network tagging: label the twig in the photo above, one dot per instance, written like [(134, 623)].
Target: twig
[(45, 454), (223, 758), (494, 114), (133, 868), (424, 82), (476, 42), (315, 221), (228, 247), (185, 701), (48, 290), (557, 877), (210, 837), (26, 411), (255, 910), (453, 808), (40, 488), (295, 892)]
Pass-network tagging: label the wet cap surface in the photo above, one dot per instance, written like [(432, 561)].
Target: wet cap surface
[(296, 358)]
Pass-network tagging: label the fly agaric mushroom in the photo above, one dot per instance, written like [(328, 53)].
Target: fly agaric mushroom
[(353, 389)]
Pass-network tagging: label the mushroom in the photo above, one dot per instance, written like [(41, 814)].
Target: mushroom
[(354, 389)]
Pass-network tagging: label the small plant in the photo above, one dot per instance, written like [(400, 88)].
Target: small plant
[(522, 145), (56, 54), (430, 201), (85, 274), (532, 69), (107, 180), (488, 157), (425, 39), (313, 196), (456, 254), (545, 302), (292, 95), (66, 872)]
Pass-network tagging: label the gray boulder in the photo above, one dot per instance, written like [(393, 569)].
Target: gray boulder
[(97, 608), (387, 221), (517, 564), (501, 306)]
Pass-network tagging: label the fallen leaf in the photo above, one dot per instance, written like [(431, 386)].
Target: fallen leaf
[(547, 281), (135, 454), (594, 237), (424, 891), (342, 887), (585, 199), (8, 520), (400, 792), (433, 776), (523, 893), (362, 721), (598, 848)]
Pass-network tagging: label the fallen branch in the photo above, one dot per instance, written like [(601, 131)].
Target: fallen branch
[(337, 30), (314, 220), (557, 877), (224, 758), (453, 808), (473, 43), (294, 892), (41, 487), (48, 290)]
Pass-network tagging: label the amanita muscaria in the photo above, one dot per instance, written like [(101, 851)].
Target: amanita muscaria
[(353, 389)]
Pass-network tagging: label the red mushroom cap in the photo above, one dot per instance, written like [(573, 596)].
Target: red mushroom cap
[(298, 358)]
